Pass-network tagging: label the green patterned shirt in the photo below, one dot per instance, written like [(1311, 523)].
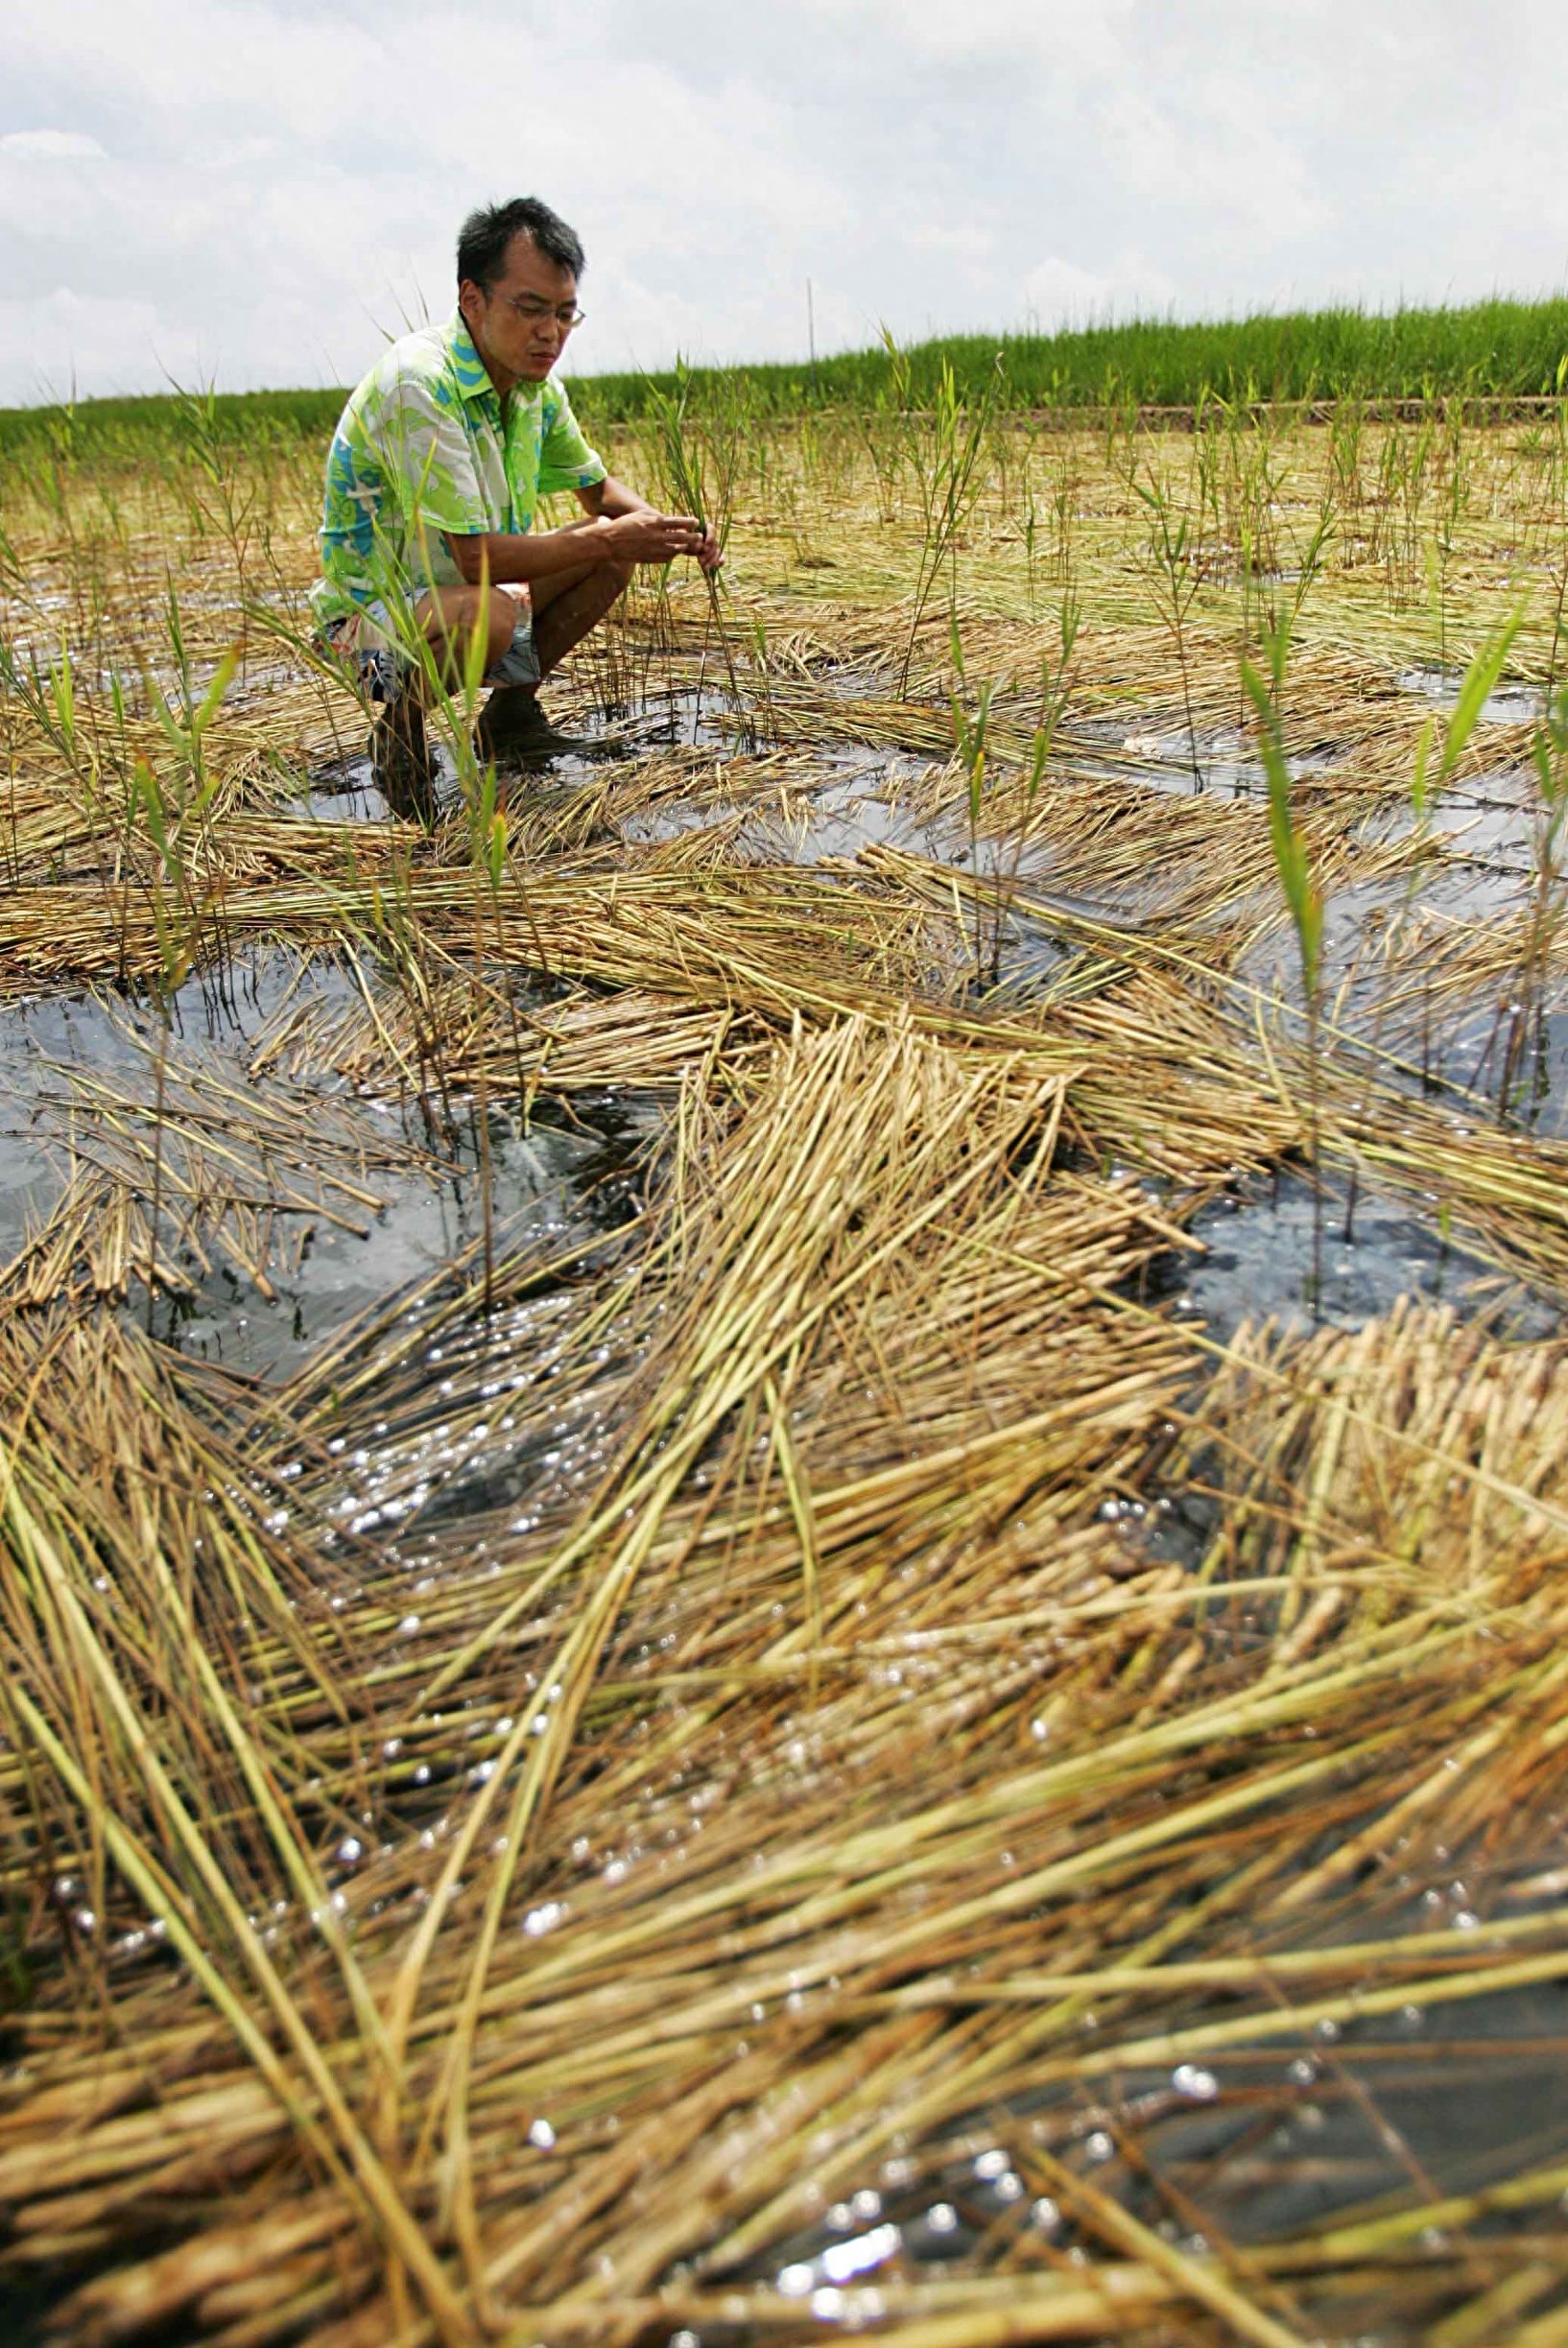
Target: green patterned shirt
[(423, 447)]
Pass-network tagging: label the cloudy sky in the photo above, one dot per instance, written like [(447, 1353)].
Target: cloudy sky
[(254, 192)]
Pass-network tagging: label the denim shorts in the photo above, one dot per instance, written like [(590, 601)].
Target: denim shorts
[(367, 641)]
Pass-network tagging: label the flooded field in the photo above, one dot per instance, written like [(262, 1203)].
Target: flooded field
[(780, 1520)]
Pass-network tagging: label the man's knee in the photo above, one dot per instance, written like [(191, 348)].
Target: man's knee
[(460, 612), (501, 617)]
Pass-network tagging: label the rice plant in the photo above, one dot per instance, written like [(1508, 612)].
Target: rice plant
[(1302, 895), (699, 470), (942, 452)]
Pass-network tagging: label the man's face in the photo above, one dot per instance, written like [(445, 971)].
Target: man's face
[(517, 328)]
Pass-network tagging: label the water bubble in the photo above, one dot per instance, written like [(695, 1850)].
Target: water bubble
[(797, 2280), (942, 2218), (1008, 2186), (867, 2204), (1099, 2146), (1326, 2028), (1303, 2071), (992, 2164), (843, 2261), (541, 2135), (351, 1851), (409, 1625), (1466, 1921), (544, 1919), (1190, 2079), (1044, 2215), (840, 2218)]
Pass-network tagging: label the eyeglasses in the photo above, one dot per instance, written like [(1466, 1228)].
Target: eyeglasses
[(529, 307)]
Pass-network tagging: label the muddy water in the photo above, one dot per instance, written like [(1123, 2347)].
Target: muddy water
[(1260, 2140), (556, 1179), (1255, 2144), (1258, 1239)]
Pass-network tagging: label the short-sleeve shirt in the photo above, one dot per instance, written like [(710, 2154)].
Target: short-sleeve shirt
[(424, 447)]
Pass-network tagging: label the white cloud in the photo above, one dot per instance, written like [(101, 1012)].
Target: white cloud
[(51, 146), (64, 344), (1058, 292)]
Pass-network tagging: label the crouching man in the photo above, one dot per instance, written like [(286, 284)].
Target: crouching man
[(433, 485)]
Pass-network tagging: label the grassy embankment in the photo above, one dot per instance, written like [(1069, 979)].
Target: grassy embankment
[(1488, 350)]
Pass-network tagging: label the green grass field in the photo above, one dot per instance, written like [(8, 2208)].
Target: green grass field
[(1509, 349)]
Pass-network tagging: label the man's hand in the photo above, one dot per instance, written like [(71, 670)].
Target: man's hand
[(656, 537)]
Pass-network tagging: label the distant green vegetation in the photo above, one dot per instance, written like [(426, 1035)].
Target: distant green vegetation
[(1487, 350), (105, 428)]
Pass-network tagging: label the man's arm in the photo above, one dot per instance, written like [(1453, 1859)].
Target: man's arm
[(627, 529), (611, 497)]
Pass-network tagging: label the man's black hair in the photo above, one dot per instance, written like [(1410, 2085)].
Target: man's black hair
[(485, 235)]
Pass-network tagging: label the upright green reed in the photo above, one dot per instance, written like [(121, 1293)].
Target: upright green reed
[(971, 726), (176, 809), (1303, 899), (699, 469), (1176, 576), (1549, 756), (942, 449), (1429, 779), (1452, 507), (1556, 528)]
